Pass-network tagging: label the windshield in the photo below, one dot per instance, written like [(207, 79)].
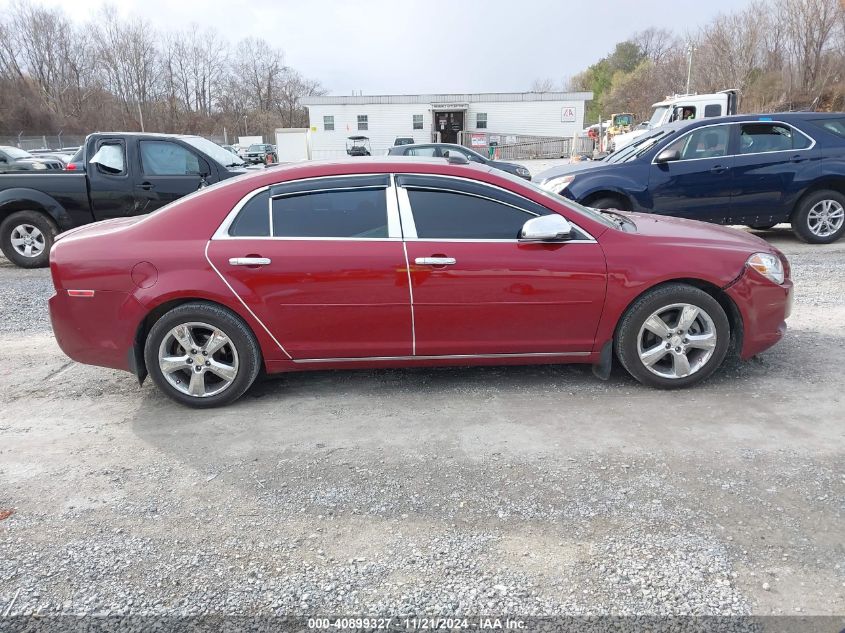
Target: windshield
[(637, 148), (592, 214), (16, 153), (657, 116), (255, 148), (214, 151)]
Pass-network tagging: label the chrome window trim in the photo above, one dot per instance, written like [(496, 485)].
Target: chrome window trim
[(222, 231), (442, 357), (405, 220), (394, 231), (687, 160), (406, 210)]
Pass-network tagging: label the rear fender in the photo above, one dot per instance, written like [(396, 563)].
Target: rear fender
[(22, 198)]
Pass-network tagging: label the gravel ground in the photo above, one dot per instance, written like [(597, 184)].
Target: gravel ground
[(524, 490)]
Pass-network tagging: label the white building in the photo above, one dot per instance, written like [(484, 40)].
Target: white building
[(440, 117)]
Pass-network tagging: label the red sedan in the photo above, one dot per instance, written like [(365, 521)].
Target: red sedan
[(396, 263)]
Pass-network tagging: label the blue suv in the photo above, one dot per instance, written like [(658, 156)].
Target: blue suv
[(759, 170)]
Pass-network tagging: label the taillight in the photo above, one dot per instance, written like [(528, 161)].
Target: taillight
[(70, 167)]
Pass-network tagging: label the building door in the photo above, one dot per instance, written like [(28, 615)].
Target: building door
[(448, 124)]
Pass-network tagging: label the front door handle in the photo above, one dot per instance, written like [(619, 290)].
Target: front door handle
[(718, 169), (435, 261), (797, 158), (249, 261), (146, 186)]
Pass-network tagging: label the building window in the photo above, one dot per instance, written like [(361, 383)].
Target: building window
[(328, 123), (363, 123), (481, 120), (418, 121)]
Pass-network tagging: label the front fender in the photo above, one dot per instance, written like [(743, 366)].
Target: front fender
[(632, 188)]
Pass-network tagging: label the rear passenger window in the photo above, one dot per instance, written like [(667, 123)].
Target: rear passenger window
[(254, 218), (448, 215), (756, 138), (350, 213)]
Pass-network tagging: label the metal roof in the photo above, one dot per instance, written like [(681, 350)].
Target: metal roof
[(480, 97)]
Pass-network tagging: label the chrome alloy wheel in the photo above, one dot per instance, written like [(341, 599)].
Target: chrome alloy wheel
[(677, 340), (825, 218), (28, 240), (198, 359)]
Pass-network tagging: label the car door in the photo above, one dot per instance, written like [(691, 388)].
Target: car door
[(321, 263), (478, 290), (773, 163), (169, 171), (698, 184), (111, 180)]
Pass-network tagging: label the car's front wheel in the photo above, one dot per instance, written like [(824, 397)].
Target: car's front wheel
[(673, 336), (202, 355)]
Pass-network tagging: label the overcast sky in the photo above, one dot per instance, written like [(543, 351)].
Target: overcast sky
[(416, 46)]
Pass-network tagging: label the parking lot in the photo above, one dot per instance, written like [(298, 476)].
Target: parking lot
[(525, 490)]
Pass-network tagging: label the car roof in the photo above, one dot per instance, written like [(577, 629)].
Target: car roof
[(430, 144)]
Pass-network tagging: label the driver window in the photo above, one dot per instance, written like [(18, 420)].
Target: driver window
[(163, 158), (110, 159), (705, 142)]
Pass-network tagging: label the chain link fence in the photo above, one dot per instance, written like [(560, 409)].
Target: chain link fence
[(29, 142), (523, 147)]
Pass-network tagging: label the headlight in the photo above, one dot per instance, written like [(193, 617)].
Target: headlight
[(39, 166), (767, 265), (521, 171), (555, 185)]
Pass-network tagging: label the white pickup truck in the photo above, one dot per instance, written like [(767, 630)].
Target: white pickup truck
[(679, 107)]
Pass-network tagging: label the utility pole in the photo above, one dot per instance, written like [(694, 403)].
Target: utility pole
[(690, 49), (141, 116)]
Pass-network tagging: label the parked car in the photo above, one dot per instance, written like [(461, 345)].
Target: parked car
[(259, 152), (14, 159), (399, 263), (758, 170), (127, 174), (230, 148), (63, 157), (445, 149), (403, 140)]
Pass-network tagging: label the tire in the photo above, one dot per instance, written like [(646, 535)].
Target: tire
[(26, 238), (820, 217), (763, 227), (240, 353), (608, 202), (667, 303)]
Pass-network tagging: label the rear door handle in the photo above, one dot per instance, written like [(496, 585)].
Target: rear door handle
[(718, 169), (249, 261), (797, 158), (146, 186), (435, 261)]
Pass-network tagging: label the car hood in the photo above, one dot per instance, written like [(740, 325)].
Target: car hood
[(565, 170), (695, 232)]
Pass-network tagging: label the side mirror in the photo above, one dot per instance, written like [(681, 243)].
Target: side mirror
[(667, 156), (546, 228)]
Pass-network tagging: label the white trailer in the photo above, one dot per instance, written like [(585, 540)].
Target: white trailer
[(293, 144)]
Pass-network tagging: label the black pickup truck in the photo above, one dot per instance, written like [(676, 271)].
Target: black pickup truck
[(113, 176)]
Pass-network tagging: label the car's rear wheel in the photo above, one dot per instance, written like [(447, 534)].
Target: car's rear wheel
[(202, 355), (673, 336), (820, 217), (26, 238)]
